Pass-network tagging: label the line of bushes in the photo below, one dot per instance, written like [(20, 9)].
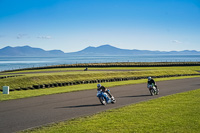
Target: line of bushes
[(3, 77), (51, 85)]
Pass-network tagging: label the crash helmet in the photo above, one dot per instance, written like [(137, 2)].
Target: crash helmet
[(98, 85), (149, 78)]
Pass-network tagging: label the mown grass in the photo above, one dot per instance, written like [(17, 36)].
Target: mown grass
[(178, 113), (118, 64), (109, 68), (49, 91), (28, 80)]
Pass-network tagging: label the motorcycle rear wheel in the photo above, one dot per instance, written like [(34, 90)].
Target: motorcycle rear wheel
[(113, 101), (157, 91)]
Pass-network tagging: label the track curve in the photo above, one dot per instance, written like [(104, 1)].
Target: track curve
[(16, 115)]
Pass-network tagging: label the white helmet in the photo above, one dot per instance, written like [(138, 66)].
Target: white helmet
[(149, 78), (98, 85)]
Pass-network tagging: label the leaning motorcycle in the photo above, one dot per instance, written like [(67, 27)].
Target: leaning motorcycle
[(104, 98), (153, 90)]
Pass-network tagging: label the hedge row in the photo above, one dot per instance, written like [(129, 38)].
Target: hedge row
[(43, 86), (9, 76)]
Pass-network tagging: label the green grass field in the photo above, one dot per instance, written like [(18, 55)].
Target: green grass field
[(178, 113), (65, 89), (28, 80), (72, 75)]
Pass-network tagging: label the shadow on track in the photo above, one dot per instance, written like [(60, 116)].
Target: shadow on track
[(135, 96), (79, 106), (196, 85)]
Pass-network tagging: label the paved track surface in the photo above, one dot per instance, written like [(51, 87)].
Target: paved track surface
[(16, 115)]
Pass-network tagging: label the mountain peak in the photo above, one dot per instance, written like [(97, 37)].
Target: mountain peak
[(106, 46), (28, 51), (102, 46), (100, 50), (26, 46), (7, 47)]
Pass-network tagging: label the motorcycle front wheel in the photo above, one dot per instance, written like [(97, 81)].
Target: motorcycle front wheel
[(102, 100), (151, 92)]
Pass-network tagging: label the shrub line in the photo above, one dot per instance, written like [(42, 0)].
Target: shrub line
[(52, 85), (9, 76)]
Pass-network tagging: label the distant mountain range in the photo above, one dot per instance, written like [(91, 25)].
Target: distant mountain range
[(28, 51), (101, 50)]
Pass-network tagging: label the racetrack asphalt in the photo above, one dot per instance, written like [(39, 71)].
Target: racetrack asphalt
[(17, 115)]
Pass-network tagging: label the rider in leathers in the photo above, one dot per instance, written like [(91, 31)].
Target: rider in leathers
[(103, 89), (150, 82)]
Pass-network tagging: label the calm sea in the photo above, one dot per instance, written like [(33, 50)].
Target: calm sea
[(10, 63)]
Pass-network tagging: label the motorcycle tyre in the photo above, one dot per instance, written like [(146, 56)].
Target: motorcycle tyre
[(157, 91), (102, 100), (113, 101), (152, 92)]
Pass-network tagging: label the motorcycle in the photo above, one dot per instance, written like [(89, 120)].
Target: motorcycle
[(153, 90), (104, 98)]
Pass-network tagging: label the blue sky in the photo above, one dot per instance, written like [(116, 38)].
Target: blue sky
[(72, 25)]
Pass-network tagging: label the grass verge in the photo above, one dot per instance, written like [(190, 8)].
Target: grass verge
[(178, 113), (28, 80), (40, 92)]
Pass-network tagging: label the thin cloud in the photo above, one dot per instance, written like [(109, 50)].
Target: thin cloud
[(20, 36), (44, 37), (176, 41)]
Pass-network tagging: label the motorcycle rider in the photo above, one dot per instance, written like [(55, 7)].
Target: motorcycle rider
[(103, 89), (150, 82)]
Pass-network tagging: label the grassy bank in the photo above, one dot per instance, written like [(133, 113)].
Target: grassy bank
[(115, 64), (40, 92), (72, 75), (29, 78), (175, 113)]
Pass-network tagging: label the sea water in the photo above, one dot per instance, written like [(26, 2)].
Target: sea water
[(11, 63)]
